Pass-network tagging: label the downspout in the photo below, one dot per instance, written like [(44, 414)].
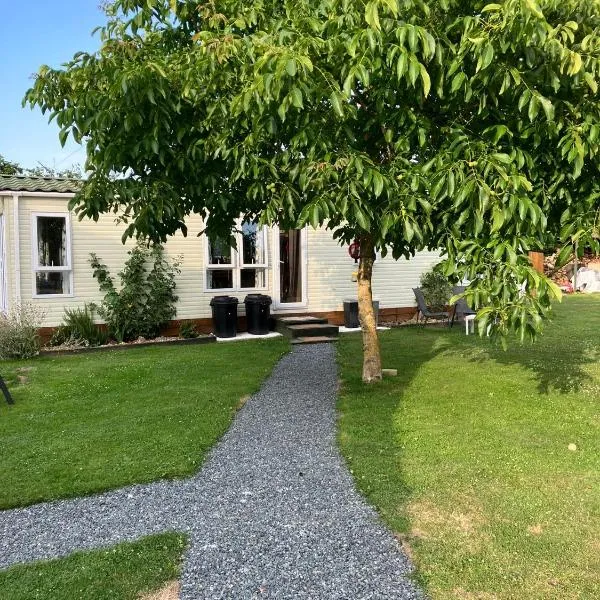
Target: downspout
[(17, 246)]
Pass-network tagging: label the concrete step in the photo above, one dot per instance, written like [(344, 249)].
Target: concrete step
[(282, 323), (312, 330), (317, 339)]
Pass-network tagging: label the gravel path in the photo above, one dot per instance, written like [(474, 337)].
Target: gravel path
[(272, 514)]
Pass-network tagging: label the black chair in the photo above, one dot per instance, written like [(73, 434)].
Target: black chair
[(461, 308), (426, 314)]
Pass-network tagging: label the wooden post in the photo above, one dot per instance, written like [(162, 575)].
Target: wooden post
[(537, 261)]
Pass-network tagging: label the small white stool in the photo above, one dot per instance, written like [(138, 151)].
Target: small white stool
[(469, 323)]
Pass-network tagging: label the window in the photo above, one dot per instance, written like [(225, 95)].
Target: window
[(52, 255), (240, 268)]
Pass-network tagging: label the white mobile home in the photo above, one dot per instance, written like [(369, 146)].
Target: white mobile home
[(45, 251)]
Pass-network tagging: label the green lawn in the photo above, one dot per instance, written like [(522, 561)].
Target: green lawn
[(118, 573), (90, 422), (466, 455)]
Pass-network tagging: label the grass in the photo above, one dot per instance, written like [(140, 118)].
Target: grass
[(466, 455), (91, 422), (122, 572)]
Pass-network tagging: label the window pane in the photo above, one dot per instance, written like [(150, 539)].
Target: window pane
[(52, 283), (253, 251), (252, 278), (52, 241), (219, 279), (219, 252)]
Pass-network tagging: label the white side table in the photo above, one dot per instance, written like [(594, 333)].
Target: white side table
[(469, 324)]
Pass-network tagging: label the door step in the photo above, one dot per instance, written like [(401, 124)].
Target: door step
[(282, 323), (317, 339), (306, 326), (312, 330)]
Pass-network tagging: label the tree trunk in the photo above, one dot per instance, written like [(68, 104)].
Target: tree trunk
[(371, 354)]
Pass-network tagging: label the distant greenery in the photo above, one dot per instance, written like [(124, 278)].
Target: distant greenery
[(122, 572), (96, 421), (466, 454), (437, 290), (8, 167)]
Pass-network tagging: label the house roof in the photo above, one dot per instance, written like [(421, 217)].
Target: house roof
[(26, 183)]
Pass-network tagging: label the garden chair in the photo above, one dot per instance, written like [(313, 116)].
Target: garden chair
[(462, 310), (426, 314)]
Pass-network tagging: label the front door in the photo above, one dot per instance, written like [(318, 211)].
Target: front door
[(290, 269)]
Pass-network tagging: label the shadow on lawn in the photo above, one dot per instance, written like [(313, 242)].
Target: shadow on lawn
[(559, 357), (367, 418), (558, 362)]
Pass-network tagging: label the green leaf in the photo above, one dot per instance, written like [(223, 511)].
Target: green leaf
[(576, 63), (589, 78), (377, 184), (372, 15), (564, 256), (335, 102), (497, 218), (290, 67), (548, 108), (501, 157), (296, 95), (458, 80), (534, 108), (491, 7), (426, 81), (533, 6), (63, 134), (401, 65), (486, 58), (314, 216), (554, 290)]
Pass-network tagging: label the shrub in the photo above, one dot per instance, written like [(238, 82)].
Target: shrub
[(187, 330), (19, 336), (78, 329), (437, 290), (145, 301)]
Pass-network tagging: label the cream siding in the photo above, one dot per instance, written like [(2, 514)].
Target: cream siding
[(329, 275), (330, 271)]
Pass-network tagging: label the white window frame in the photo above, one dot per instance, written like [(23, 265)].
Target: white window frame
[(236, 264), (37, 268)]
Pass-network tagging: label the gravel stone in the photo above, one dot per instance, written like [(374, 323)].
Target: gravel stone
[(273, 513)]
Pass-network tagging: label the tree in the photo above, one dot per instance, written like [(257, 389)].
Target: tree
[(13, 168), (464, 126), (9, 168)]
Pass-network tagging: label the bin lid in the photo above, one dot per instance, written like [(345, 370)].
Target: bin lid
[(223, 300), (350, 299), (258, 299)]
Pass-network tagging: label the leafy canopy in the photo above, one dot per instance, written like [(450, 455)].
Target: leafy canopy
[(451, 124)]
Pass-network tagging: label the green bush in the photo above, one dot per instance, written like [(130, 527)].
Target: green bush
[(146, 300), (19, 336), (78, 329), (437, 290), (187, 330)]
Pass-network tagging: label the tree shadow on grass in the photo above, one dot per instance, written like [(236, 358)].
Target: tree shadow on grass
[(367, 433), (560, 358)]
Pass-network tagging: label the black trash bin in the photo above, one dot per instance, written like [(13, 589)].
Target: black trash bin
[(258, 311), (351, 312), (224, 316)]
